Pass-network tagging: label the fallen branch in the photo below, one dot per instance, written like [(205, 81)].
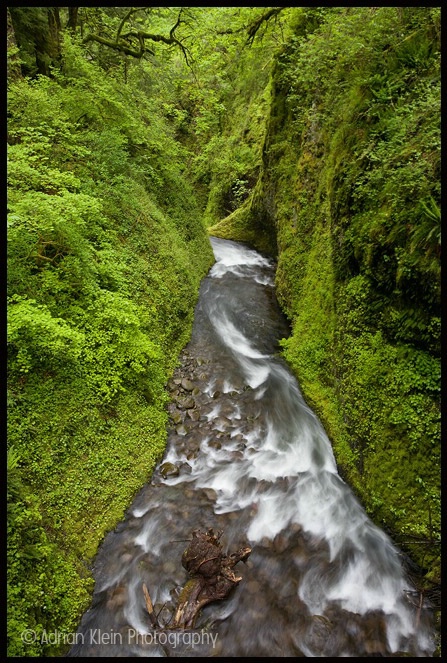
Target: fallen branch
[(211, 578), (150, 607)]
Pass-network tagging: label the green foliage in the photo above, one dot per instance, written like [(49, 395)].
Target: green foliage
[(350, 182), (38, 340), (316, 140), (118, 352), (106, 250), (228, 110)]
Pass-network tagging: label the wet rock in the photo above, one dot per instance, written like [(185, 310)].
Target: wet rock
[(192, 444), (176, 417), (186, 403), (210, 493), (319, 631), (187, 384), (117, 597), (193, 414), (215, 444), (196, 391), (280, 543), (375, 634), (169, 470), (295, 528), (221, 423)]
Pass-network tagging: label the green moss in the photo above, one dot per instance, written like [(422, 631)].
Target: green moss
[(351, 145)]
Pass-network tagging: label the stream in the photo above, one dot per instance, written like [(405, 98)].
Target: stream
[(247, 456)]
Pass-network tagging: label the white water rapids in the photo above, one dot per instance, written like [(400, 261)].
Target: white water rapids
[(322, 580)]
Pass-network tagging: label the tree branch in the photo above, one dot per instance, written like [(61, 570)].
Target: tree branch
[(121, 25), (254, 27), (118, 46), (179, 20)]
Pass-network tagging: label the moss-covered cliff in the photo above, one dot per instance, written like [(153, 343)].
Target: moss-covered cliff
[(348, 199)]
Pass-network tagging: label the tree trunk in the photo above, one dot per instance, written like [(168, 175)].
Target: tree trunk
[(72, 18), (54, 41), (13, 60)]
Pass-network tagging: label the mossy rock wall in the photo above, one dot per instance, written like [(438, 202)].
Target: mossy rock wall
[(348, 198)]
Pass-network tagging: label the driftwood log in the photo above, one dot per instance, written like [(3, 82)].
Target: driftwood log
[(211, 577)]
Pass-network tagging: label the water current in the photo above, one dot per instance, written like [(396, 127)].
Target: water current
[(247, 456)]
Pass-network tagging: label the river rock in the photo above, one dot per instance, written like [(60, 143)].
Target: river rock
[(176, 417), (185, 403), (187, 384), (280, 543), (210, 493), (192, 444), (215, 444), (169, 470)]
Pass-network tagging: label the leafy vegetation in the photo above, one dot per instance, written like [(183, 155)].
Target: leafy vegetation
[(350, 179), (311, 133), (105, 254)]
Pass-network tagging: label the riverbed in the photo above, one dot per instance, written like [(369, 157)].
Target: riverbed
[(246, 456)]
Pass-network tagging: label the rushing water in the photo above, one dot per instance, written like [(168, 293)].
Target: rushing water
[(246, 455)]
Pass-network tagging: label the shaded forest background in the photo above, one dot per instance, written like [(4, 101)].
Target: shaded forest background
[(133, 133)]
